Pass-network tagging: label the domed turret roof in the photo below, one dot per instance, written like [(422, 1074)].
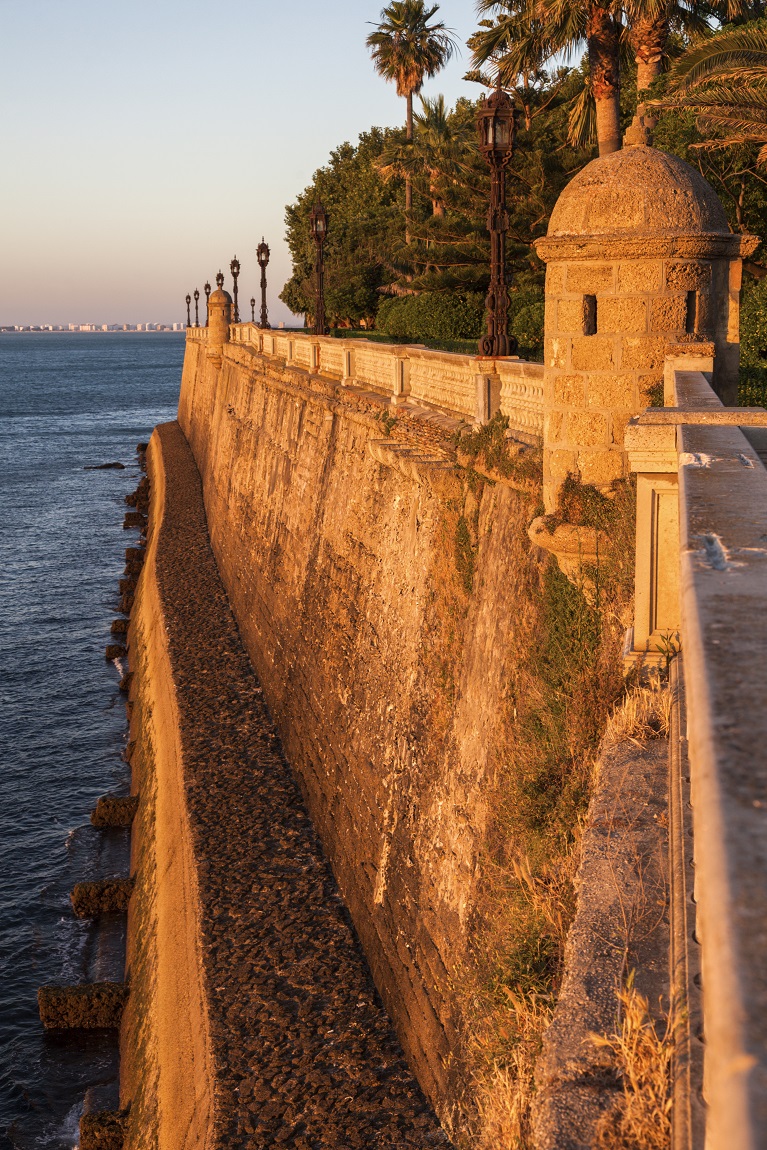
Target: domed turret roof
[(220, 296), (637, 191)]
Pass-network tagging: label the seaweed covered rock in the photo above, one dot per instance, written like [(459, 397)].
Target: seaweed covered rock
[(114, 811), (92, 1006), (105, 896), (103, 1130)]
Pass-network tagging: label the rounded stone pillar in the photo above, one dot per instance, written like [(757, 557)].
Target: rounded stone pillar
[(219, 319), (639, 257)]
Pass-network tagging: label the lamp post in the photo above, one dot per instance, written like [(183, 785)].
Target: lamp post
[(262, 255), (196, 307), (188, 316), (252, 309), (206, 289), (496, 124), (319, 223), (234, 268), (220, 280)]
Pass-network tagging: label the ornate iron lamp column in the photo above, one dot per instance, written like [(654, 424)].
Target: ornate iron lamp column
[(319, 223), (220, 280), (496, 123), (188, 314), (234, 268), (252, 309), (196, 307), (206, 289), (262, 255)]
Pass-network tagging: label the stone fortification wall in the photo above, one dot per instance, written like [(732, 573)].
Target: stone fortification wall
[(252, 1020), (341, 552)]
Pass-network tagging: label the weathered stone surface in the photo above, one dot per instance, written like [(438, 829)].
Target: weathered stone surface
[(95, 1006), (592, 353), (622, 314), (638, 190)]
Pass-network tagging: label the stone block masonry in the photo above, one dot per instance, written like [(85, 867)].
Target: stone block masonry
[(253, 1020), (386, 680)]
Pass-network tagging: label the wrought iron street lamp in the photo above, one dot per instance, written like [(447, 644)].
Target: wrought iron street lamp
[(252, 309), (234, 268), (220, 280), (319, 222), (496, 123), (206, 289), (188, 314), (196, 307), (262, 255)]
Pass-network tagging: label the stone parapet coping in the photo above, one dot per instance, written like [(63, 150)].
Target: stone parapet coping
[(701, 572), (723, 551)]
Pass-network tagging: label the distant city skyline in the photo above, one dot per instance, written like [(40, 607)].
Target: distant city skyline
[(142, 154)]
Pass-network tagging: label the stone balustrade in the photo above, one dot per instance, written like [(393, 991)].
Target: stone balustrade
[(471, 387), (198, 333), (701, 579)]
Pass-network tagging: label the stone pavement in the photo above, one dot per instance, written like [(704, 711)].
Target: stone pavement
[(304, 1054)]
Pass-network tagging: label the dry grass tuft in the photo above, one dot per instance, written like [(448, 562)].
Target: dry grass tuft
[(645, 712), (642, 1120)]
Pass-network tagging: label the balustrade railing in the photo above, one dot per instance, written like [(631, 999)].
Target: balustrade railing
[(467, 387)]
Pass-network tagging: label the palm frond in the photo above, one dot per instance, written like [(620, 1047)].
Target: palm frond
[(728, 52)]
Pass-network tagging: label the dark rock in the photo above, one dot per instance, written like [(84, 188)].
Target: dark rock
[(106, 467), (115, 651), (125, 682), (126, 602), (93, 1006), (114, 811), (134, 554), (141, 448), (105, 896), (103, 1130), (127, 584), (134, 519), (119, 626)]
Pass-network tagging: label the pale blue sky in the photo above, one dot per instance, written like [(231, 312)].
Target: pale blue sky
[(144, 144)]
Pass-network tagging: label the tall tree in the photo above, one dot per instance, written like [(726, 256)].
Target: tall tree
[(523, 35), (407, 50), (437, 149)]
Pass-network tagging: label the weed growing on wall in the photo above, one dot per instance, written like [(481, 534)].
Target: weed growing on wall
[(566, 675), (642, 1057), (490, 449)]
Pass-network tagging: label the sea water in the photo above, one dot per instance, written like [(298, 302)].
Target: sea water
[(67, 401)]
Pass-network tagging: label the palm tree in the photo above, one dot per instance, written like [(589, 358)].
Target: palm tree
[(525, 34), (407, 49), (724, 80), (438, 150)]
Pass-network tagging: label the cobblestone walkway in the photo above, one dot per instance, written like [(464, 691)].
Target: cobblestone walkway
[(305, 1056)]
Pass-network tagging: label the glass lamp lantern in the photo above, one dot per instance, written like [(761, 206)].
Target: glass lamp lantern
[(496, 124)]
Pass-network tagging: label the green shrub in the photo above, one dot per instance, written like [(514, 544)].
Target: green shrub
[(432, 315), (526, 323), (753, 325)]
